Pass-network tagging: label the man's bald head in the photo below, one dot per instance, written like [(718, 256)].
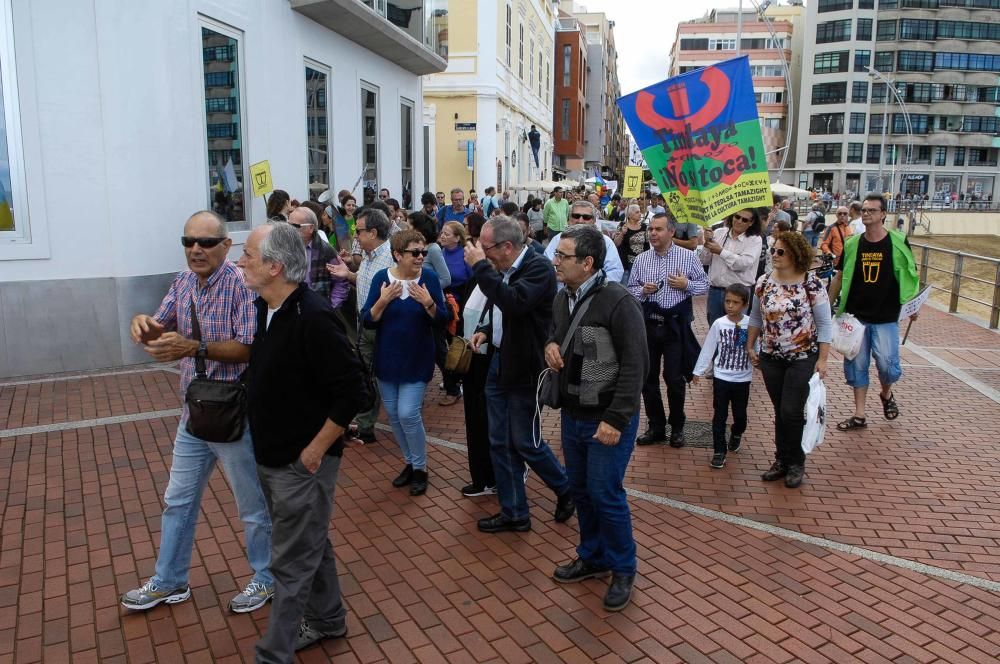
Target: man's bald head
[(211, 217)]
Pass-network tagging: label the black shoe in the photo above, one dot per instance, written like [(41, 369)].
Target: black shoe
[(500, 523), (565, 508), (735, 442), (578, 570), (677, 438), (366, 437), (418, 487), (793, 478), (651, 437), (619, 592), (718, 460), (775, 472), (404, 477)]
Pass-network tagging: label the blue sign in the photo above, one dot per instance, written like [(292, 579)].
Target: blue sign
[(470, 155)]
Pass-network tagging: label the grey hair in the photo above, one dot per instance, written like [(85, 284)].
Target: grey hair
[(458, 190), (589, 242), (375, 220), (283, 245), (587, 204), (632, 208), (310, 215), (222, 231), (506, 229)]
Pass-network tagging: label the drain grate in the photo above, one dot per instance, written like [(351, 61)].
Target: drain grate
[(699, 434)]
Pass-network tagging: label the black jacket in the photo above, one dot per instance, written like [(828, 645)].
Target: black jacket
[(302, 372), (526, 304)]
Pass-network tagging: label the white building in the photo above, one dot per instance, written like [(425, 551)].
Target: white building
[(121, 119)]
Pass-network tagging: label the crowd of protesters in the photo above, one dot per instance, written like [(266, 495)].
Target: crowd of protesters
[(335, 310)]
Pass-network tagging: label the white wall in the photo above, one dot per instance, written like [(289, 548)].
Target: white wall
[(112, 117)]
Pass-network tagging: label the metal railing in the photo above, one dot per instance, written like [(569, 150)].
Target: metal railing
[(957, 275)]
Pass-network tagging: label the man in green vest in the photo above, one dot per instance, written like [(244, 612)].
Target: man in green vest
[(555, 213), (879, 275)]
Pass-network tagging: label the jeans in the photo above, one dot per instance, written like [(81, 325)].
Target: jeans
[(512, 434), (193, 462), (404, 403), (366, 346), (811, 237), (305, 571), (596, 473), (477, 433), (715, 304), (662, 345), (724, 394), (787, 383), (882, 341)]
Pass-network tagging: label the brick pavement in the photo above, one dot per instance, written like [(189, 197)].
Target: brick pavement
[(81, 510)]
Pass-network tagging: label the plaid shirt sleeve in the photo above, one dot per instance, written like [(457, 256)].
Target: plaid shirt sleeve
[(244, 315), (166, 315)]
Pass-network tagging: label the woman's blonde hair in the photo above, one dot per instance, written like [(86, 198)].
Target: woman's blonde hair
[(458, 230)]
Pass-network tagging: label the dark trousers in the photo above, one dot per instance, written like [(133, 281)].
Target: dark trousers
[(477, 433), (366, 346), (724, 395), (302, 562), (664, 343), (787, 383)]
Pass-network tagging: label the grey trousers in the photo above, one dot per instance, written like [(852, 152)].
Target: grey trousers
[(302, 562), (366, 346)]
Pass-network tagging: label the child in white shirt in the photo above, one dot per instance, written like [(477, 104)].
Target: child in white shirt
[(726, 344)]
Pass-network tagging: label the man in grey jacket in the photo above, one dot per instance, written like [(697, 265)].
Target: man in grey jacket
[(601, 375)]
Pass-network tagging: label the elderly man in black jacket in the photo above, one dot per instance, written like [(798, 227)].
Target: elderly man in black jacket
[(602, 364), (519, 285), (305, 386)]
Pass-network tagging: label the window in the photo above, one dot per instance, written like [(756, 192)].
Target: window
[(864, 29), (862, 59), (826, 123), (888, 4), (874, 152), (823, 153), (886, 31), (859, 92), (833, 31), (979, 124), (828, 63), (855, 151), (567, 64), (966, 61), (917, 29), (834, 5), (763, 43), (520, 52), (508, 32), (959, 157), (866, 4), (728, 44), (564, 125), (773, 123), (919, 122), (406, 157), (966, 30), (224, 122), (531, 62), (548, 88), (858, 123), (879, 93), (940, 156), (694, 44), (829, 93), (317, 145), (883, 61), (540, 68), (768, 97), (875, 123), (761, 70), (369, 135), (13, 198), (982, 157)]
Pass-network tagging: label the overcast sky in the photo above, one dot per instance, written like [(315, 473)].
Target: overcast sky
[(645, 32)]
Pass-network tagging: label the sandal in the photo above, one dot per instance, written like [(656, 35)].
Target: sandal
[(853, 423), (889, 407)]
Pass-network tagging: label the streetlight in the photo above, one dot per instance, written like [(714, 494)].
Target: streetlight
[(789, 97), (890, 86)]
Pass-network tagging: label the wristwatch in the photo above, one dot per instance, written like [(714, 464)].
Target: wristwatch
[(202, 352)]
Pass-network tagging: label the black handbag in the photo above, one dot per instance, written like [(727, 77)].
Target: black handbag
[(216, 408), (548, 382)]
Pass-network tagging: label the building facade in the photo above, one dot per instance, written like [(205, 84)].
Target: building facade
[(570, 110), (106, 154), (942, 59), (498, 85), (713, 38)]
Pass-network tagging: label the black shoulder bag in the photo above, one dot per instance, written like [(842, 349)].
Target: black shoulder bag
[(548, 381), (216, 408)]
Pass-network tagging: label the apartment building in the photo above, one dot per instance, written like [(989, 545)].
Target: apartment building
[(570, 109), (902, 96)]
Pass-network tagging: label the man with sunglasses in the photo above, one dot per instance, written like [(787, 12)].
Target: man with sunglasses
[(214, 288), (836, 236), (584, 212), (878, 276)]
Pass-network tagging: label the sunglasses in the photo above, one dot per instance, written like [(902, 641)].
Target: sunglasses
[(203, 242), (842, 214), (777, 252), (745, 220), (577, 215), (294, 225), (415, 252)]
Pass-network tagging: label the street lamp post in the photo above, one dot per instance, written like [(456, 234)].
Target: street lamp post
[(891, 87)]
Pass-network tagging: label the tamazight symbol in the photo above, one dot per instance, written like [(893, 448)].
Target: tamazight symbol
[(260, 178), (871, 271), (719, 88)]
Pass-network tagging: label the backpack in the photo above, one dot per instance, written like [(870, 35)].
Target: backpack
[(817, 221), (489, 204)]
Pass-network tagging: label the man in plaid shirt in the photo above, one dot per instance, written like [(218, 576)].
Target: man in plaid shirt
[(226, 317)]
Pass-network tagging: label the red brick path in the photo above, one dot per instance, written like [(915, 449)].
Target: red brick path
[(81, 509)]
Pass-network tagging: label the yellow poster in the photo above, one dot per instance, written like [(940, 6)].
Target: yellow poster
[(633, 182), (260, 176)]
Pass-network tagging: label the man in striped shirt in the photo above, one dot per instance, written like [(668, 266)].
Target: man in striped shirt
[(664, 278)]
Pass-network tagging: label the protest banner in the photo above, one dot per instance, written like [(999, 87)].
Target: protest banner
[(633, 182), (260, 178), (700, 137), (913, 306)]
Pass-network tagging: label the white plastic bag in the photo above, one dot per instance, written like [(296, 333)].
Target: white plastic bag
[(812, 434), (848, 334)]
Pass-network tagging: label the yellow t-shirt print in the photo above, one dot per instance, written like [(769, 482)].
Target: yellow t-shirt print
[(871, 263)]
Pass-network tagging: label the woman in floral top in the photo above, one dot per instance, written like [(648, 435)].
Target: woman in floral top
[(791, 316)]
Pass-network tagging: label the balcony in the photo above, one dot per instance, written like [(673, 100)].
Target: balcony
[(410, 33)]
